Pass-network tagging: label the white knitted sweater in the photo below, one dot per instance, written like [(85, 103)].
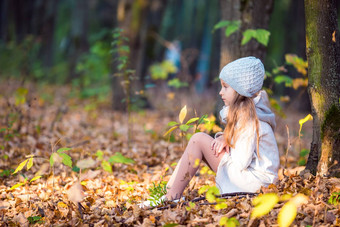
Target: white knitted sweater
[(241, 170)]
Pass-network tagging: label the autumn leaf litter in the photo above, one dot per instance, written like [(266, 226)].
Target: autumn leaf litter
[(96, 197)]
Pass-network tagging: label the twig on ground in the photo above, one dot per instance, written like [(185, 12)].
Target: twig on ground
[(286, 157), (222, 196)]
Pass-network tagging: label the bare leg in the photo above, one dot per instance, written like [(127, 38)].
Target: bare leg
[(199, 147)]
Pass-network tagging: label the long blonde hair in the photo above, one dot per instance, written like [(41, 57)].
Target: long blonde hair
[(241, 111)]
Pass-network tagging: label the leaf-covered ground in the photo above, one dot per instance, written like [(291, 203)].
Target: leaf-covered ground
[(105, 192)]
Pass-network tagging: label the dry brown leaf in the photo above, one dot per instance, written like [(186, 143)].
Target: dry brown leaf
[(21, 220), (75, 193), (86, 163), (90, 175)]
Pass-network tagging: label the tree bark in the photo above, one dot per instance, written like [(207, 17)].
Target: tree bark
[(253, 15), (79, 34), (4, 20), (323, 55), (131, 17)]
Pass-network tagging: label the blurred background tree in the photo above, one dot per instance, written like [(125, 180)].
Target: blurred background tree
[(69, 42)]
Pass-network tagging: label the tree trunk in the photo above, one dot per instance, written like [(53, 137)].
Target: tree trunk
[(323, 55), (131, 18), (79, 34), (47, 32), (253, 15), (4, 21)]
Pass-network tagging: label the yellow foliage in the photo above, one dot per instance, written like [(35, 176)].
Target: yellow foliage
[(20, 167), (170, 95), (300, 82), (304, 120), (182, 114), (289, 210), (287, 214), (197, 162), (299, 64), (264, 204), (62, 205)]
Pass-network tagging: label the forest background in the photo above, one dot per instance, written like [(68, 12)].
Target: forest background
[(102, 98)]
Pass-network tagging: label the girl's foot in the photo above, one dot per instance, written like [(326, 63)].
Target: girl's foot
[(154, 203)]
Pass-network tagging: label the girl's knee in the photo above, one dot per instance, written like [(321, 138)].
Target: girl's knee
[(198, 137)]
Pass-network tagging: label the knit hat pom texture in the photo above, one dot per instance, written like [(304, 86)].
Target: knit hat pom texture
[(244, 75)]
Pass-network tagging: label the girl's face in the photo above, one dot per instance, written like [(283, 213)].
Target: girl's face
[(227, 93)]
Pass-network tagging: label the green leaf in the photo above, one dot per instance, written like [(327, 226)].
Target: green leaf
[(233, 27), (172, 123), (184, 128), (247, 36), (66, 159), (100, 155), (75, 169), (264, 204), (302, 162), (30, 163), (201, 120), (203, 189), (304, 152), (35, 178), (107, 166), (192, 120), (222, 24), (170, 130), (211, 194), (34, 219), (229, 222), (283, 79), (52, 159), (119, 158), (124, 48), (20, 167), (170, 225), (262, 36), (63, 149), (177, 83), (16, 186)]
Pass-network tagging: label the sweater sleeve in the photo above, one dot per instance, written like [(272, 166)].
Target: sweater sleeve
[(242, 155)]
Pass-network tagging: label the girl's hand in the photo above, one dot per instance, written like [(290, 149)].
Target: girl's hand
[(219, 145)]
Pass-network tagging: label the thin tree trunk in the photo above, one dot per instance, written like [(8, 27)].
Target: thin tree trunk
[(323, 55), (79, 33), (4, 20), (48, 28)]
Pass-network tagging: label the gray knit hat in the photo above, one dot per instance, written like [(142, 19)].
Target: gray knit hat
[(244, 75)]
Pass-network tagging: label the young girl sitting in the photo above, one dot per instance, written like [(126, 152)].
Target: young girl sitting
[(245, 156)]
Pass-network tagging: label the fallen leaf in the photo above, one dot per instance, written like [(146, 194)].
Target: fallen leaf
[(75, 193)]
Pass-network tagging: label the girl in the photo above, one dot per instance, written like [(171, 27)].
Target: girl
[(245, 156)]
